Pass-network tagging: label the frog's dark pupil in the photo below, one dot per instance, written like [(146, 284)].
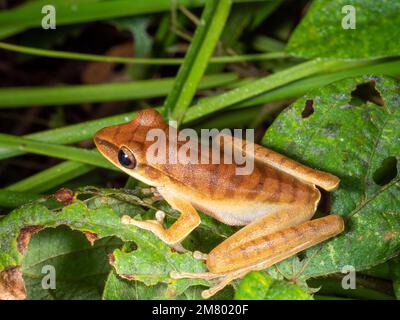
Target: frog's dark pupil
[(123, 158)]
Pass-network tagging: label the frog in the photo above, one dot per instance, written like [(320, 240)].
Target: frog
[(273, 204)]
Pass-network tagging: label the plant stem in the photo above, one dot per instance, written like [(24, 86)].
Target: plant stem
[(150, 61)]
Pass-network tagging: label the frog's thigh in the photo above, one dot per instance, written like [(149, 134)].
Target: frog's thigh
[(322, 179), (269, 248), (282, 218), (188, 220), (265, 250)]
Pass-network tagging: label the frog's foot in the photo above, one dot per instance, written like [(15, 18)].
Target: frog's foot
[(160, 216), (155, 226), (200, 255), (151, 225), (187, 221), (222, 279)]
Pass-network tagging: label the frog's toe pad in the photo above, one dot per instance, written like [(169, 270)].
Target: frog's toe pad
[(152, 225), (200, 255), (126, 219)]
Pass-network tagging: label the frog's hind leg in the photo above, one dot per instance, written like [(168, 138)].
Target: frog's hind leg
[(228, 262), (274, 159)]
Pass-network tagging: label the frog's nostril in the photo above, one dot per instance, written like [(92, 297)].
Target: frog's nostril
[(97, 141)]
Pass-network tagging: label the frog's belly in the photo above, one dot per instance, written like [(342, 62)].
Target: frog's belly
[(236, 213)]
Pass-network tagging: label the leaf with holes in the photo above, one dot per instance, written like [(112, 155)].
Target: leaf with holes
[(348, 29), (97, 218), (351, 129), (66, 262)]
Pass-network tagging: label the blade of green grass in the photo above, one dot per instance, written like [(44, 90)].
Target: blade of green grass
[(200, 50), (52, 177), (70, 134), (267, 44), (300, 87), (29, 14), (259, 86), (86, 130), (64, 95), (92, 157), (12, 199), (152, 61), (291, 90)]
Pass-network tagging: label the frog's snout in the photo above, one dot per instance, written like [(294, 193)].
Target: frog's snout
[(103, 142)]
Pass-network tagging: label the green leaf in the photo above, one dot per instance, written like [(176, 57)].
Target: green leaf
[(320, 33), (257, 285), (340, 130), (142, 40), (80, 269), (121, 289), (99, 217), (153, 267), (50, 178), (117, 288), (396, 287), (395, 273)]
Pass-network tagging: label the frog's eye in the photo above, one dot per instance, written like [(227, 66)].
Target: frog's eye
[(126, 158)]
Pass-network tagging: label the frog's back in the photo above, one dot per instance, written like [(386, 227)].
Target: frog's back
[(263, 183)]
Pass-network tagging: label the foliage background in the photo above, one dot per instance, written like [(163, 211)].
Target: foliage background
[(325, 96)]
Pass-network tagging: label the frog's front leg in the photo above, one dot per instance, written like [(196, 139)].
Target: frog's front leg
[(185, 224), (228, 262)]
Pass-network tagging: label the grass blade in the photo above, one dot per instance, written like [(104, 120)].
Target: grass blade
[(201, 48), (86, 130), (73, 94), (78, 11), (12, 199), (260, 86), (92, 157), (52, 177)]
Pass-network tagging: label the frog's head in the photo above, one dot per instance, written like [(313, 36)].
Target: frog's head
[(125, 144)]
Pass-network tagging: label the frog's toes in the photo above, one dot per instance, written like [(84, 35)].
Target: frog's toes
[(199, 255), (125, 219), (160, 216), (151, 225), (194, 275)]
